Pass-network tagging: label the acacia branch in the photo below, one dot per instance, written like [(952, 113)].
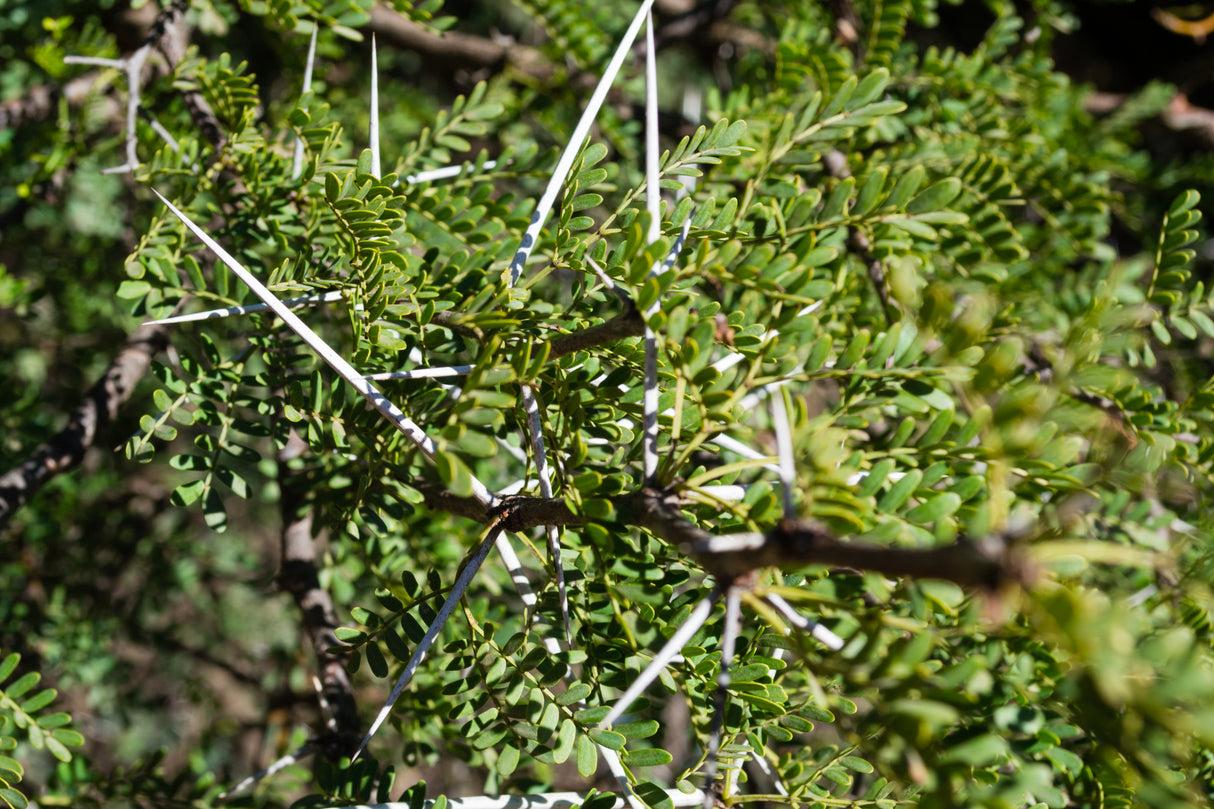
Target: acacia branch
[(100, 407), (792, 544)]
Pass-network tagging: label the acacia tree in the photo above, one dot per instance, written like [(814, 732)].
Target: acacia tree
[(846, 448)]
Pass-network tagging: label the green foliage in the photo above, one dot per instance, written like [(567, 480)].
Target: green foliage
[(23, 718), (985, 311)]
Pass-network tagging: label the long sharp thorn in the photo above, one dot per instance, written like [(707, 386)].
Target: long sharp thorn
[(374, 109), (788, 473), (609, 282), (282, 763), (649, 438), (653, 202), (444, 173), (422, 373), (679, 241), (297, 162), (677, 641), (535, 426), (816, 630), (419, 654), (557, 181), (653, 191), (733, 621), (335, 361), (230, 311)]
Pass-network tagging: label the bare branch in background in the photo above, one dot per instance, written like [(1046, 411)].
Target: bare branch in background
[(299, 575), (100, 407)]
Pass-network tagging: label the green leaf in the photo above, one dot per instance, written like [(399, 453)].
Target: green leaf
[(348, 634), (935, 508), (454, 474), (899, 491), (8, 665), (507, 760), (607, 738), (39, 701), (587, 756), (977, 752), (11, 766), (376, 661), (935, 196), (652, 757), (565, 737), (13, 798), (576, 693), (640, 729), (1183, 202), (23, 684)]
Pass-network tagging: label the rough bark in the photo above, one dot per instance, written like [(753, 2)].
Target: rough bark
[(299, 576)]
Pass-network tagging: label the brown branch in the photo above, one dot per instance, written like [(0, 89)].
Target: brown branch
[(986, 565), (704, 23), (299, 577), (454, 47), (628, 323), (171, 36), (100, 407), (66, 450), (794, 544)]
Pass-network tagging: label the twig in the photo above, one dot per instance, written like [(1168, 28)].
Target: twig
[(819, 632), (281, 764), (306, 300), (166, 36), (132, 66), (628, 323), (453, 46), (985, 565), (788, 472), (653, 203), (422, 373)]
